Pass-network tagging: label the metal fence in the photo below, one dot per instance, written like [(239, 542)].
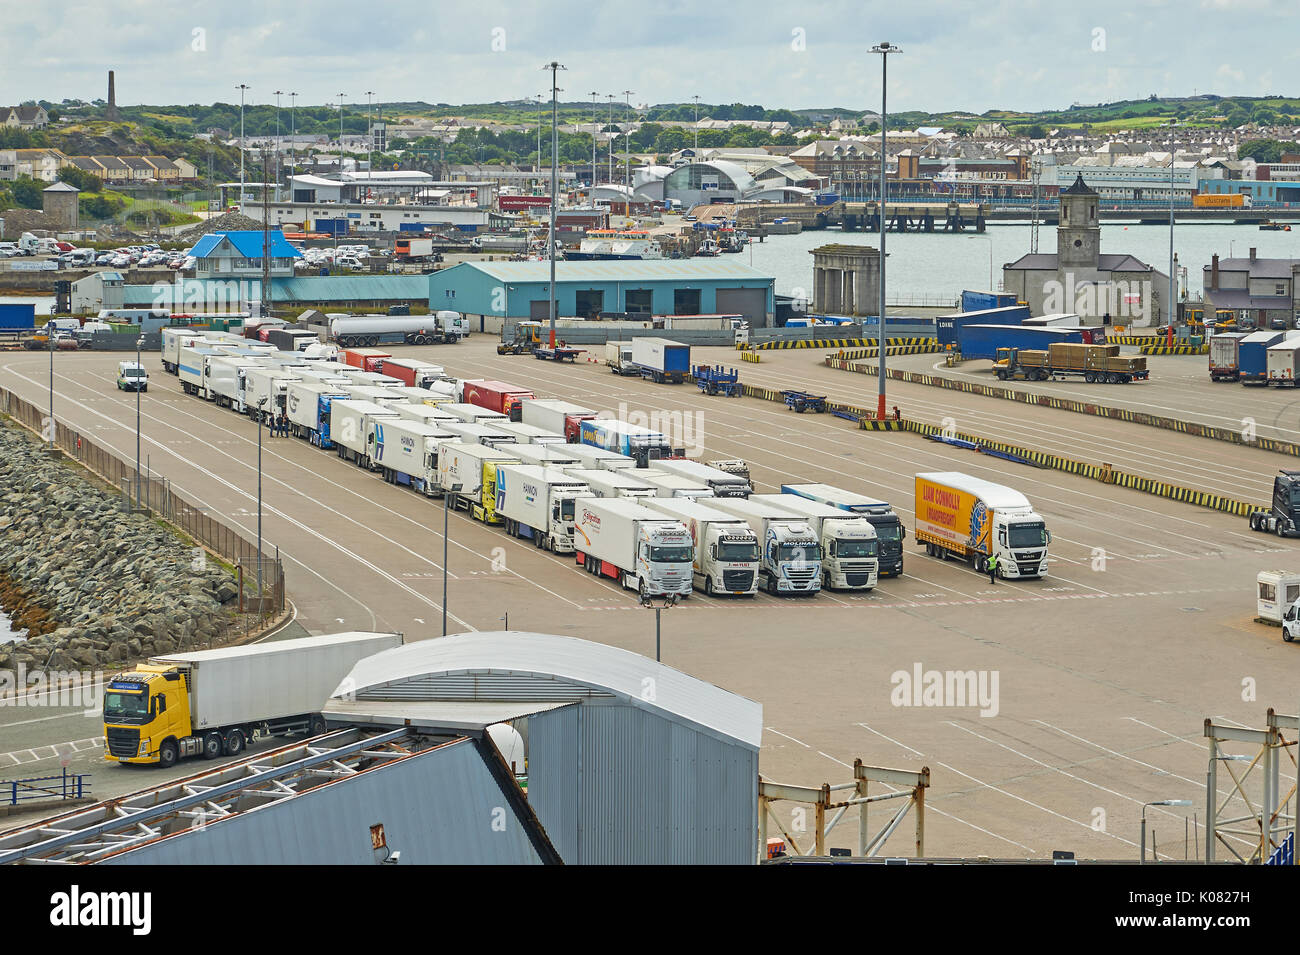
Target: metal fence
[(155, 494), (67, 786)]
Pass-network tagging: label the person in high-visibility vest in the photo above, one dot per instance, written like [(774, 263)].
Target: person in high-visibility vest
[(993, 568)]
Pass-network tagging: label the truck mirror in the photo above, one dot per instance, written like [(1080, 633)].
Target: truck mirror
[(713, 551), (1049, 537)]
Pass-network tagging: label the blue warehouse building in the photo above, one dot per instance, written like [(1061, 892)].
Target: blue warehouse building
[(489, 293)]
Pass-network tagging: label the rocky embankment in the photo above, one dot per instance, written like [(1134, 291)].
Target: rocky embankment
[(94, 585)]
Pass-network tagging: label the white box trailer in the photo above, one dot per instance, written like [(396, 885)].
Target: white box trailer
[(224, 381), (661, 359), (372, 378), (557, 417), (267, 681), (271, 384), (352, 429), (1283, 363), (474, 468), (429, 414), (308, 405), (850, 551), (722, 483), (641, 548), (375, 393), (667, 484), (528, 433), (192, 367), (473, 414), (481, 433), (726, 548), (547, 455), (791, 558), (605, 483), (537, 503), (890, 531), (591, 456), (406, 452), (174, 339)]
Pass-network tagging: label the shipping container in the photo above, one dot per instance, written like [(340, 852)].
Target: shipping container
[(977, 301), (983, 341), (1252, 356)]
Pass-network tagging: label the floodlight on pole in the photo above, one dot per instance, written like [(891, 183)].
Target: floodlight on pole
[(884, 49)]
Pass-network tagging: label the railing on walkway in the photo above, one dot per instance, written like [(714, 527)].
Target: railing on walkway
[(67, 786), (157, 496)]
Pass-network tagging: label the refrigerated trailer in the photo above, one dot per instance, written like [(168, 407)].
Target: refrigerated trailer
[(890, 531), (414, 372), (308, 407), (661, 360), (722, 483), (528, 433), (628, 542), (1283, 362), (547, 455), (558, 417), (271, 384), (406, 452), (590, 456), (604, 483), (474, 468), (850, 551), (498, 396), (480, 433), (472, 413), (352, 429), (790, 557), (725, 547), (223, 382), (667, 484), (538, 504), (1223, 356), (215, 702)]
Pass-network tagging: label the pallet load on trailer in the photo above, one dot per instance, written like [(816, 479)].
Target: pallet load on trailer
[(668, 484), (528, 434), (497, 396), (474, 468), (850, 551), (1224, 364), (1093, 363), (590, 456), (721, 483), (307, 404), (606, 483), (641, 444), (1283, 516), (725, 549), (215, 702), (790, 558), (538, 504), (1252, 356), (889, 529), (558, 417), (352, 429), (413, 371), (1282, 362), (661, 360), (641, 548), (969, 518)]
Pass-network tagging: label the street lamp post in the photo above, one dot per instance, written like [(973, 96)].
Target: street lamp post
[(370, 138), (293, 131), (1173, 280), (341, 95), (138, 343), (595, 123), (554, 67), (51, 334), (447, 492), (278, 94), (884, 49), (610, 97), (241, 87), (261, 415), (1159, 802), (670, 601), (627, 156), (696, 97)]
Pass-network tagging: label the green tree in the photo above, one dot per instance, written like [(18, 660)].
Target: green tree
[(1238, 117), (1033, 131), (100, 206), (27, 192), (1266, 150), (671, 139), (85, 181)]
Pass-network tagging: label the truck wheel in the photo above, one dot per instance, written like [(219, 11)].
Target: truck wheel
[(1089, 377), (1254, 524), (234, 742), (708, 586), (1286, 635), (1281, 532), (168, 753), (212, 745), (316, 726)]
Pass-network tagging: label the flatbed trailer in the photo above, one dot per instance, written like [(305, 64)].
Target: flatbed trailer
[(558, 353), (1093, 363), (802, 401), (716, 380)]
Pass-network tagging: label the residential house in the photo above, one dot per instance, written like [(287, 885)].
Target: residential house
[(1265, 291), (41, 164), (24, 117), (238, 255)]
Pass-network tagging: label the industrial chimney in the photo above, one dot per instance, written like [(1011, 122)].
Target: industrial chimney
[(1214, 273), (111, 112)]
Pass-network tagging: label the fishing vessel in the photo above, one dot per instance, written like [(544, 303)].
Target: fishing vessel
[(613, 244)]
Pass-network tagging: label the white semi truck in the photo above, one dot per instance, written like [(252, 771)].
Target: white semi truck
[(352, 429), (406, 452), (308, 407), (269, 383), (528, 433), (890, 531), (558, 417), (606, 483), (192, 366), (482, 433), (593, 457), (429, 414), (538, 504), (790, 562), (642, 549), (223, 382), (667, 484), (969, 518), (725, 547), (467, 472), (850, 551), (722, 483), (473, 414)]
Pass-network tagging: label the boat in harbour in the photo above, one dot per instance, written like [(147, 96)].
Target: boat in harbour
[(604, 244)]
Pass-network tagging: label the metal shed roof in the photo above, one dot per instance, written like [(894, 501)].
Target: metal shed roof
[(676, 270), (513, 666)]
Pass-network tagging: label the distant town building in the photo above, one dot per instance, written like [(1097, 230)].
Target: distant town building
[(38, 163), (239, 255), (1262, 290), (24, 117), (59, 202)]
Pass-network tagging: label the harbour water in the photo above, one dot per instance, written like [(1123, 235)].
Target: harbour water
[(7, 632)]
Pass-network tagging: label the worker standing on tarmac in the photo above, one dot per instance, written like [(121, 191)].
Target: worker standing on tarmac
[(993, 567)]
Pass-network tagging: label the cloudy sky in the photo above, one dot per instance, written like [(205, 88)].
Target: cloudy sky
[(1018, 54)]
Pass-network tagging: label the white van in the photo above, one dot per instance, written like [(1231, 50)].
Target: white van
[(132, 376)]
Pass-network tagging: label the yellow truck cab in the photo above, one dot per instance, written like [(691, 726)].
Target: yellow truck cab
[(146, 707)]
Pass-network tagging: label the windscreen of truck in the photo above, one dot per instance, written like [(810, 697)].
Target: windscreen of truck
[(566, 509), (851, 549), (812, 553), (1027, 535), (892, 531), (126, 707), (738, 550), (671, 554)]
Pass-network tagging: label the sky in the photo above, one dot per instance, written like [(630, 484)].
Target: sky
[(971, 55)]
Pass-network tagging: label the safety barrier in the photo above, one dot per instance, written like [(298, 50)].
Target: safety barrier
[(924, 348), (839, 343), (1175, 349), (1133, 339), (1080, 407), (748, 355)]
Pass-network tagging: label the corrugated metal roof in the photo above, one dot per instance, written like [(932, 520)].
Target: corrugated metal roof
[(350, 288), (509, 666), (687, 270), (460, 716)]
